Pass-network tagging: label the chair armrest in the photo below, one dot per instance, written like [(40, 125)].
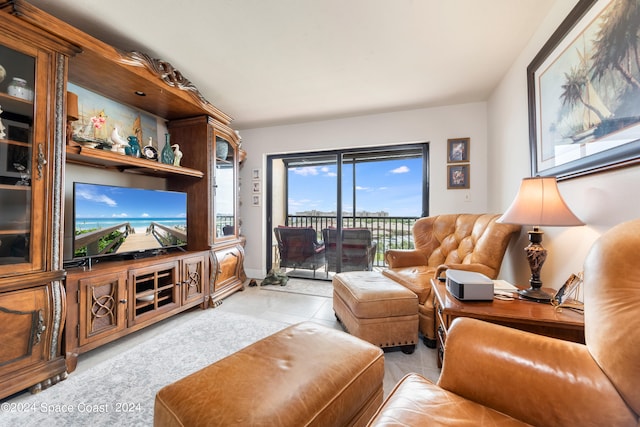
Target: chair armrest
[(371, 252), (533, 378), (397, 258)]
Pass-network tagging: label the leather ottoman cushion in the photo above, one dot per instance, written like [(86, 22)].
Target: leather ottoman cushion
[(416, 401), (306, 374), (370, 295)]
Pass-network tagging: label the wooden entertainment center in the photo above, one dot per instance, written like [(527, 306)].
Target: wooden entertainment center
[(49, 314)]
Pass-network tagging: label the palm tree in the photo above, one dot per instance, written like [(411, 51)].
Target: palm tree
[(616, 43), (574, 88)]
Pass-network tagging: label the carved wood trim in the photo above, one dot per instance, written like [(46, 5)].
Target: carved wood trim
[(164, 71)]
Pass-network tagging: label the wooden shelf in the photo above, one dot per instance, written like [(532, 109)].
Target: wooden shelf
[(15, 187), (12, 142), (110, 160), (16, 105)]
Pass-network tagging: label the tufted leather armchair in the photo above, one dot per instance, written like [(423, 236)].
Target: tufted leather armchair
[(498, 376), (473, 242)]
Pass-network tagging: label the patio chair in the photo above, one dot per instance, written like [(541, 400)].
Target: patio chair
[(299, 248), (358, 249)]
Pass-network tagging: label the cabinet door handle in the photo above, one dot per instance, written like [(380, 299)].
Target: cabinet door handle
[(41, 161), (123, 301), (39, 329)]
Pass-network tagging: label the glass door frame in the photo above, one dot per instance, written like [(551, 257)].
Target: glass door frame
[(340, 155)]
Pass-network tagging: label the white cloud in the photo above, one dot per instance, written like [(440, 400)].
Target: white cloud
[(401, 169), (95, 197), (310, 170)]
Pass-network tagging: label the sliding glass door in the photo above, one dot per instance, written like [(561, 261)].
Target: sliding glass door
[(340, 210)]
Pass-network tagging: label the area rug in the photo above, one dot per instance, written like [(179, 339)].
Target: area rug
[(120, 391), (320, 288)]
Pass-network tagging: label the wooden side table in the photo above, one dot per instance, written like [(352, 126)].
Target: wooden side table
[(542, 319)]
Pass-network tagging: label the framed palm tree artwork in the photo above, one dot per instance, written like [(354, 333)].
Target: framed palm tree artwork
[(584, 92)]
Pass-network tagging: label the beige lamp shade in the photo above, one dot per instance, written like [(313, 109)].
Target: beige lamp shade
[(72, 107), (539, 202)]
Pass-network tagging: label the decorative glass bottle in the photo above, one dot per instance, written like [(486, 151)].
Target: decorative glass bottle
[(167, 152)]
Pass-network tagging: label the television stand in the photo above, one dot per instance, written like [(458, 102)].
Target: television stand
[(145, 254), (118, 297)]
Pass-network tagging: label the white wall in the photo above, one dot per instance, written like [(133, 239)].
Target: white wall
[(499, 160), (433, 125), (601, 200)]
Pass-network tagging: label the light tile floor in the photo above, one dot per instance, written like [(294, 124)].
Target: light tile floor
[(284, 307), (293, 308)]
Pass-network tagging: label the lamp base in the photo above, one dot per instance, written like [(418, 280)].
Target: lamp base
[(535, 294)]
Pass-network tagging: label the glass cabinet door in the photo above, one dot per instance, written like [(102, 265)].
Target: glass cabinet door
[(224, 200), (21, 174)]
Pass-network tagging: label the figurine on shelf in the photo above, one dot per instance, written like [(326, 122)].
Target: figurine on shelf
[(3, 134), (24, 174), (177, 154), (167, 155), (120, 145)]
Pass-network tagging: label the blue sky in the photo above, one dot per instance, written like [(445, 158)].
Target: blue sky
[(393, 186), (99, 201)]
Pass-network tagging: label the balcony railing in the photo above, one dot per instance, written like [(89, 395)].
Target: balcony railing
[(389, 232)]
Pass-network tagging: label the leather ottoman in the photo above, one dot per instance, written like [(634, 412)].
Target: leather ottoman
[(304, 375), (376, 309)]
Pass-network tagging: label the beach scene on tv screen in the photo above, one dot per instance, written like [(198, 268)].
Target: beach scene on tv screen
[(119, 220)]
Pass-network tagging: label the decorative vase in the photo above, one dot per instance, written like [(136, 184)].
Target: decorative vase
[(134, 146), (167, 155), (222, 149), (149, 151), (19, 88)]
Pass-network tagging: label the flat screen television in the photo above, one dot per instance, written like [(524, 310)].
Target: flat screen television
[(123, 221)]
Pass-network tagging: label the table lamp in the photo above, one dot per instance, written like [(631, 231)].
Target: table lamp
[(537, 203)]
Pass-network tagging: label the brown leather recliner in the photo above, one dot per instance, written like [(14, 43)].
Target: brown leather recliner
[(494, 375), (473, 242)]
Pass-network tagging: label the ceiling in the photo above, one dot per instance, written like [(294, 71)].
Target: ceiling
[(271, 62)]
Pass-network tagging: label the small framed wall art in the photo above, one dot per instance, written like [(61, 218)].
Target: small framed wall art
[(457, 176), (458, 150)]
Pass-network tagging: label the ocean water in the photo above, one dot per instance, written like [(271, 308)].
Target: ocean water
[(139, 224)]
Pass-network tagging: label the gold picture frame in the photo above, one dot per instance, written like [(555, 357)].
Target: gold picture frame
[(458, 176), (458, 150)]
